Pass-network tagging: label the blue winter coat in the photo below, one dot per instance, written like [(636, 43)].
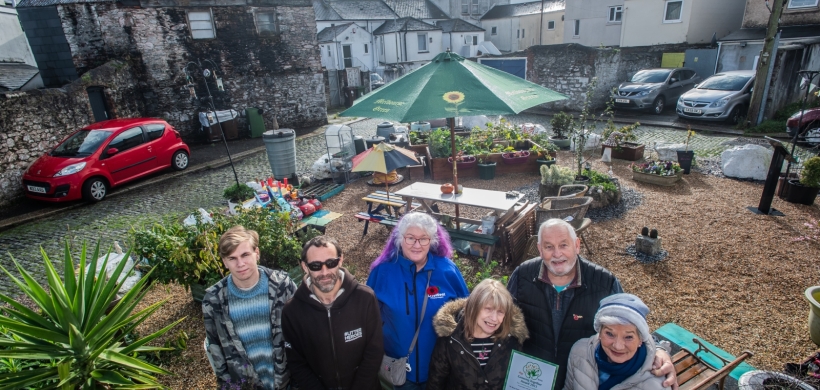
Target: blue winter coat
[(400, 291)]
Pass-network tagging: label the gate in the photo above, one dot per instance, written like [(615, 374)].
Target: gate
[(702, 61), (96, 97), (334, 88), (514, 66)]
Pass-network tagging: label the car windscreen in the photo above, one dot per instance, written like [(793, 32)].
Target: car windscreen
[(725, 82), (651, 76), (83, 143)]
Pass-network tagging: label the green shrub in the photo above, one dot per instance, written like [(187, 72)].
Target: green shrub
[(556, 175), (76, 338), (189, 254), (561, 124), (600, 179), (810, 176), (238, 193), (769, 126)]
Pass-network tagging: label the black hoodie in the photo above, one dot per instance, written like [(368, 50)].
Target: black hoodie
[(336, 348)]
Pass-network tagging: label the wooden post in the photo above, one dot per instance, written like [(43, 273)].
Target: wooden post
[(766, 60)]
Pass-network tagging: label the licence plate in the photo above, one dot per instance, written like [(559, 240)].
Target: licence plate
[(36, 189), (622, 101), (692, 110)]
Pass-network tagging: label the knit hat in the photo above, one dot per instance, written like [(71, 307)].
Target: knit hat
[(628, 307)]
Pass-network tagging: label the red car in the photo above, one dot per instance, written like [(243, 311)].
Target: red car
[(809, 126), (104, 155)]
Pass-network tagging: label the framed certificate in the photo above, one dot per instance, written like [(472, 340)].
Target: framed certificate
[(530, 373)]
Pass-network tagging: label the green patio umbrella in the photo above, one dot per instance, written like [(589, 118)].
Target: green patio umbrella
[(451, 86)]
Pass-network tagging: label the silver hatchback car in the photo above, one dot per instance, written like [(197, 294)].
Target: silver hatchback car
[(653, 89), (723, 96)]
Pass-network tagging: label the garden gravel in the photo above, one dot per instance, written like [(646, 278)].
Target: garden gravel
[(730, 276)]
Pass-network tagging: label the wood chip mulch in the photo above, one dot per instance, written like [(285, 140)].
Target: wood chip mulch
[(732, 277)]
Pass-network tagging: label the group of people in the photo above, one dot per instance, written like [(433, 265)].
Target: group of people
[(334, 333)]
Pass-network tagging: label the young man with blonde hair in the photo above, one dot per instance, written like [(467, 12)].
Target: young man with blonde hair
[(243, 316)]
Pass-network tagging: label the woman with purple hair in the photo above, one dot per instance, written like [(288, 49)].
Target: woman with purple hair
[(415, 264)]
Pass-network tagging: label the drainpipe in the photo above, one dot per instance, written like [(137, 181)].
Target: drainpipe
[(768, 78), (541, 25), (405, 42), (717, 57)]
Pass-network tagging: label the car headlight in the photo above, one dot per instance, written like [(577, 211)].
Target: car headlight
[(680, 100), (720, 102), (71, 169)]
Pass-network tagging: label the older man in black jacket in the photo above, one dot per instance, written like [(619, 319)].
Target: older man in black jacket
[(559, 293), (332, 326)]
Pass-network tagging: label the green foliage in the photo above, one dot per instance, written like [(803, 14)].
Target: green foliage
[(238, 193), (439, 142), (189, 254), (307, 234), (76, 332), (600, 179), (556, 175), (542, 144), (810, 175), (768, 126), (418, 138), (475, 273), (562, 124)]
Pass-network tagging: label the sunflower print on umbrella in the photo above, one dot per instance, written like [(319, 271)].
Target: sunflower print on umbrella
[(454, 98)]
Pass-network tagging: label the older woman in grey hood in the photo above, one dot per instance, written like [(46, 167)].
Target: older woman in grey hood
[(620, 355)]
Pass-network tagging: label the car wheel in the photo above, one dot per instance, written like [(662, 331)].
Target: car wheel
[(95, 189), (736, 115), (179, 161), (658, 105)]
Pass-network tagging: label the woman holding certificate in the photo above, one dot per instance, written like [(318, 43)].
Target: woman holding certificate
[(476, 338), (620, 356)]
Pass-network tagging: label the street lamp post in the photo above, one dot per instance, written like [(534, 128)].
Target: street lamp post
[(206, 73)]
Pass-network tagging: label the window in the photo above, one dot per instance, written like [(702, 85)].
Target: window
[(551, 25), (522, 33), (128, 139), (802, 3), (422, 42), (155, 131), (672, 11), (577, 31), (465, 7), (494, 31), (366, 49), (348, 56), (471, 40), (475, 7), (201, 24), (328, 51), (475, 40), (381, 40), (615, 14), (265, 23)]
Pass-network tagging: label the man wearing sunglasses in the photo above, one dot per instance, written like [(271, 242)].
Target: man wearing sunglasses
[(332, 326), (243, 315)]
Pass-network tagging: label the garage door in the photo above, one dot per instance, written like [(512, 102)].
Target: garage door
[(516, 66)]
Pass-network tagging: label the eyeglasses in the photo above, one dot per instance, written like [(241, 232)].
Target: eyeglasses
[(412, 241), (317, 265)]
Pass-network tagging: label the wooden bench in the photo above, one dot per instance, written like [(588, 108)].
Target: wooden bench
[(382, 219), (695, 374), (483, 239)]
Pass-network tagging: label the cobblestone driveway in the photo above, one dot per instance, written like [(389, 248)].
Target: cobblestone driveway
[(111, 219)]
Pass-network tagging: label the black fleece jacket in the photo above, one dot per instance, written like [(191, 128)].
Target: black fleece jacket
[(336, 348)]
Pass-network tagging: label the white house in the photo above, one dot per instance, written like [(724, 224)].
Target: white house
[(595, 23), (18, 69), (678, 21), (347, 45), (514, 27), (407, 41), (460, 37)]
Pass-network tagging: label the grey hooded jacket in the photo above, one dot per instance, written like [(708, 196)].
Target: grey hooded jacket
[(582, 371), (229, 358)]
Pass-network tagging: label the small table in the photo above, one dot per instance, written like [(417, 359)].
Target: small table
[(497, 201), (380, 199)]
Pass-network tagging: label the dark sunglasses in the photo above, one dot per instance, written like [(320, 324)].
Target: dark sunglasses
[(317, 265)]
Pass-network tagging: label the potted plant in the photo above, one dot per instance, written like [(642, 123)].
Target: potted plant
[(552, 178), (662, 173), (625, 146), (238, 193), (463, 161), (486, 168), (805, 190), (561, 126), (813, 297), (686, 156), (515, 157)]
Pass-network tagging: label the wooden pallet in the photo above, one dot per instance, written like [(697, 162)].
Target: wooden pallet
[(322, 190), (515, 234)]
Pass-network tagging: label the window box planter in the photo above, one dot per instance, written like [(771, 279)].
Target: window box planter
[(656, 179), (629, 151), (466, 163), (509, 159)]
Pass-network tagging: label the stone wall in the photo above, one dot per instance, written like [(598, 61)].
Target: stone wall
[(33, 122), (279, 72)]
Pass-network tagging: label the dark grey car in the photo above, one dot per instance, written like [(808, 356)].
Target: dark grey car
[(653, 89)]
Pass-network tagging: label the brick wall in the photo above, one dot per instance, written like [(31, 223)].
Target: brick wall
[(280, 73), (32, 122)]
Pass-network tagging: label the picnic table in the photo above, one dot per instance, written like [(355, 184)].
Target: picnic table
[(393, 206), (501, 206)]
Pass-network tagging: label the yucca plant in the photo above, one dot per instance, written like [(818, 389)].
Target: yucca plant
[(77, 327)]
